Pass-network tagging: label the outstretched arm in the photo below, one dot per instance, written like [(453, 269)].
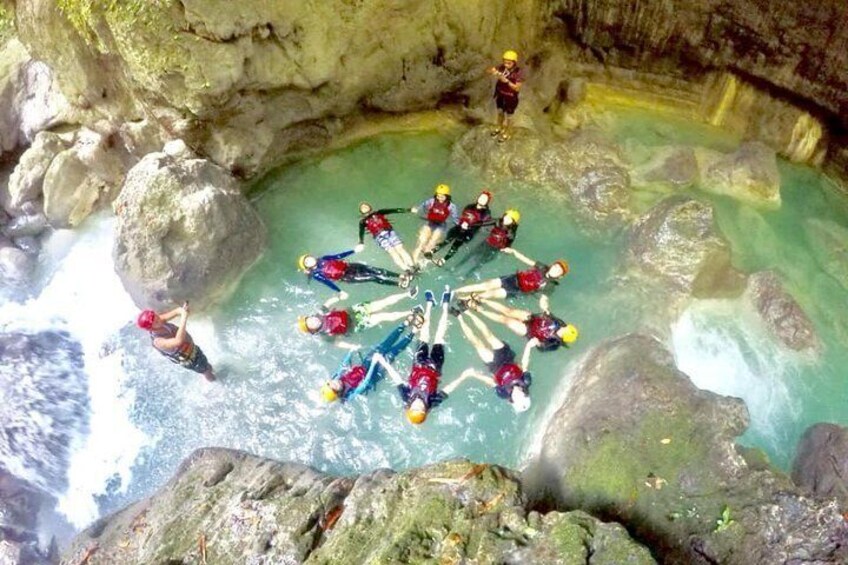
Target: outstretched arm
[(385, 211), (341, 255), (333, 299), (171, 314), (362, 230), (179, 338), (464, 376), (525, 357), (325, 281), (545, 303), (391, 371), (341, 344), (519, 255)]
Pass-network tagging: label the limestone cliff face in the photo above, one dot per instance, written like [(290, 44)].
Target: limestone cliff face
[(248, 82)]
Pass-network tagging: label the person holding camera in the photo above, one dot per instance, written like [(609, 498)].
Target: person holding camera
[(509, 80), (174, 342)]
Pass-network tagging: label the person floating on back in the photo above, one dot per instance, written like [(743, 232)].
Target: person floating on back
[(440, 213), (335, 324), (174, 342), (543, 330), (384, 234), (331, 268), (539, 277), (510, 77), (500, 237), (421, 393), (358, 373), (510, 381), (473, 217)]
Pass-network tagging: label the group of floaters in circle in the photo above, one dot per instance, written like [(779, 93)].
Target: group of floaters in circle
[(443, 228)]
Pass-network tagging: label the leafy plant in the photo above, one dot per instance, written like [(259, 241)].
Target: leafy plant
[(725, 521)]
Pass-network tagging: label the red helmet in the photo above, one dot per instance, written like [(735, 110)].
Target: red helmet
[(145, 319), (487, 193)]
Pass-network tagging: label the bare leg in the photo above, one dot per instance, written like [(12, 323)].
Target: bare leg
[(435, 237), (500, 119), (209, 374), (396, 258), (487, 334), (406, 262), (511, 323), (506, 125), (484, 286), (442, 328), (514, 313), (384, 317), (383, 303), (482, 351), (423, 237), (498, 293), (425, 327)]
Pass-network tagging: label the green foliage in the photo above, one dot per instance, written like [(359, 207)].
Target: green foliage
[(7, 22), (725, 521)]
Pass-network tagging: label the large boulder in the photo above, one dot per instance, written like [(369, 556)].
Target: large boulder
[(821, 462), (25, 184), (677, 245), (81, 177), (635, 441), (585, 168), (238, 508), (780, 312), (44, 394), (20, 504), (184, 230), (670, 168), (749, 174)]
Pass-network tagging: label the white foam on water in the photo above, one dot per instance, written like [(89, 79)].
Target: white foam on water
[(85, 297), (722, 347)]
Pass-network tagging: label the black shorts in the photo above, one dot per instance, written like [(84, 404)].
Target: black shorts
[(432, 357), (197, 363), (510, 284), (503, 356), (507, 104)]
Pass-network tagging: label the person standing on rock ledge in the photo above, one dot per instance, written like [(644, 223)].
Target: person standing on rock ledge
[(174, 342), (510, 78)]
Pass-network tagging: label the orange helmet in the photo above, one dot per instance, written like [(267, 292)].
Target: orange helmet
[(562, 263)]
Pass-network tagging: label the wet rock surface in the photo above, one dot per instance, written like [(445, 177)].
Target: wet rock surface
[(585, 169), (230, 507), (782, 314), (184, 231), (20, 504), (749, 174), (637, 443), (821, 463)]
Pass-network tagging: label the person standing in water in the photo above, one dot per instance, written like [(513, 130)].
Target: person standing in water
[(500, 237), (384, 234), (439, 211), (174, 342), (510, 77), (331, 268), (473, 217), (421, 393)]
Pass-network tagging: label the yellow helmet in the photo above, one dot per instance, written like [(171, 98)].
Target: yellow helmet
[(514, 214), (415, 416), (328, 393), (443, 189), (510, 55), (301, 324), (569, 333), (301, 261)]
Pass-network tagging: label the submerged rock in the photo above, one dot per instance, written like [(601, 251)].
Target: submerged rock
[(749, 174), (635, 441), (827, 241), (585, 168), (247, 509), (26, 225), (671, 167), (821, 462), (184, 231), (783, 316), (44, 395)]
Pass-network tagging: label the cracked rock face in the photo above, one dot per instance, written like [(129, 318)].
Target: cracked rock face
[(237, 508), (821, 463)]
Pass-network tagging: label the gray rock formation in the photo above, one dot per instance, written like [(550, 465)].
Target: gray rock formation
[(821, 462), (749, 174), (636, 442), (184, 230), (783, 316), (585, 168), (670, 167), (41, 374), (229, 507), (20, 504), (827, 240), (26, 182)]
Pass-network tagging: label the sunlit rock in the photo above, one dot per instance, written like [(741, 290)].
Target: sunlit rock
[(184, 231), (636, 440), (749, 174), (821, 462), (782, 314), (27, 179), (250, 509)]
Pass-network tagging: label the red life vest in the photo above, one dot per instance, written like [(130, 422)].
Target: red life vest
[(353, 376), (472, 216), (530, 280), (424, 378), (336, 322), (333, 269), (499, 237), (377, 224), (542, 327), (438, 212), (508, 374)]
